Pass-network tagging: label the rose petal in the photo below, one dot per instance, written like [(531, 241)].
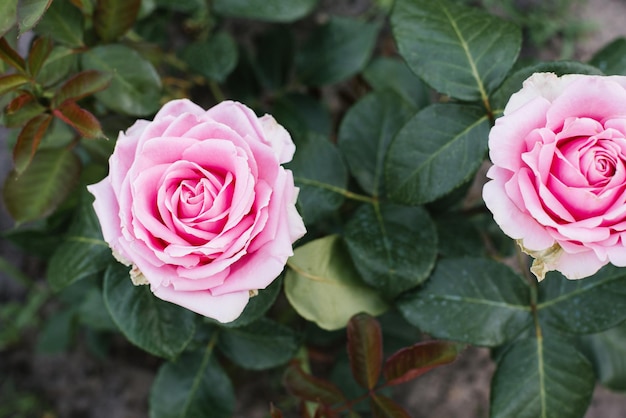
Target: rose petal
[(224, 308)]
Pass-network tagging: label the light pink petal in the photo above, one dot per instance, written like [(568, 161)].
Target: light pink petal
[(544, 85), (239, 117), (279, 139), (223, 308), (178, 107), (107, 211), (579, 265)]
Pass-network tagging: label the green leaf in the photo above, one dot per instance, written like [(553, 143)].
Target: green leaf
[(8, 15), (384, 407), (460, 51), (607, 352), (365, 133), (44, 185), (135, 89), (39, 52), (25, 110), (11, 57), (63, 22), (473, 300), (611, 59), (365, 349), (414, 361), (81, 85), (324, 287), (514, 82), (310, 388), (12, 82), (214, 58), (583, 306), (29, 12), (56, 334), (156, 326), (80, 119), (385, 73), (458, 236), (393, 247), (274, 57), (544, 377), (113, 18), (60, 62), (336, 51), (28, 141), (321, 175), (257, 306), (300, 113), (83, 251), (93, 313), (267, 10), (441, 136), (193, 386), (261, 345)]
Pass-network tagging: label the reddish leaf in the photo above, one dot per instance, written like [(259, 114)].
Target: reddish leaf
[(28, 141), (365, 349), (12, 82), (411, 362), (310, 388), (113, 18), (275, 412), (81, 85), (19, 102), (80, 119), (38, 54), (324, 411), (18, 112), (11, 57), (383, 407)]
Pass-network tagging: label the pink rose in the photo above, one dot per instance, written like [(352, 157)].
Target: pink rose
[(198, 203), (558, 183)]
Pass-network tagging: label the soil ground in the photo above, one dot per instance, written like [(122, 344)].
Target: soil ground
[(77, 384)]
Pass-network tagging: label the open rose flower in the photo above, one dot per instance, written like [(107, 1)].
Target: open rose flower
[(558, 183), (197, 202)]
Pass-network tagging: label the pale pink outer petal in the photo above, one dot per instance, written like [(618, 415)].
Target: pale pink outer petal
[(107, 211), (546, 85), (239, 118), (179, 107), (279, 139), (223, 308), (578, 265)]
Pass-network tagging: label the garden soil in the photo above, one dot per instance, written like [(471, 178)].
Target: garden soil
[(78, 384)]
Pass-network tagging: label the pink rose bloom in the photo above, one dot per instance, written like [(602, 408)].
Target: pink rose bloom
[(197, 202), (558, 183)]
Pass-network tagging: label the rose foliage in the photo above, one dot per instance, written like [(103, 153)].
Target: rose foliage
[(354, 216)]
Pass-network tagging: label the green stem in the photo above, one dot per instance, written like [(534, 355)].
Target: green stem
[(348, 194)]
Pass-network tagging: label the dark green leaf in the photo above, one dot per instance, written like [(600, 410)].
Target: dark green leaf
[(607, 352), (11, 57), (63, 22), (83, 252), (29, 12), (46, 183), (310, 388), (300, 113), (393, 247), (156, 326), (583, 306), (28, 141), (113, 18), (80, 119), (473, 300), (611, 59), (420, 158), (414, 361), (8, 15), (365, 349), (365, 133), (56, 334), (547, 377), (384, 407), (260, 345), (267, 10), (336, 51), (215, 58), (461, 51), (321, 174), (458, 236), (193, 386), (12, 82), (81, 85), (274, 57), (135, 89), (389, 73), (258, 305), (39, 52), (59, 63), (324, 287), (93, 313), (514, 82), (185, 6)]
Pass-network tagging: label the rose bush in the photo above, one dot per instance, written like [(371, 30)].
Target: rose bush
[(197, 202), (558, 180)]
